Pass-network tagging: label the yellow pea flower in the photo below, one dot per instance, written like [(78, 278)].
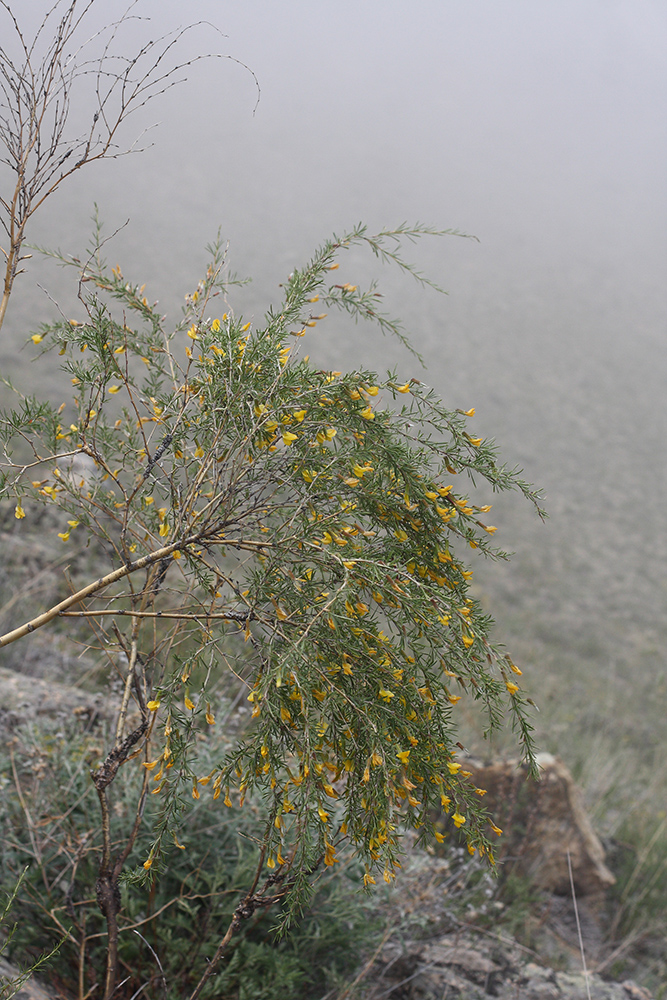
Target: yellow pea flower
[(458, 820), (19, 512)]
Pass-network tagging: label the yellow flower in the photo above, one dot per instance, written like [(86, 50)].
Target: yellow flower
[(189, 703), (453, 767), (458, 820), (496, 829), (164, 530), (37, 338), (215, 325), (367, 413), (64, 535), (511, 687), (385, 695), (470, 412), (403, 756), (153, 706), (114, 388), (368, 879), (192, 332), (403, 388), (299, 415), (475, 441), (148, 863), (288, 437), (323, 814), (19, 512)]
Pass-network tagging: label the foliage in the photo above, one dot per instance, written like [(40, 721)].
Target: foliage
[(279, 527), (169, 929)]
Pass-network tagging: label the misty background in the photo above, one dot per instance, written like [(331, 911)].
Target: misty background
[(539, 127)]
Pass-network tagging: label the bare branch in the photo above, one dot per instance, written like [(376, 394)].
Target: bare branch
[(37, 84)]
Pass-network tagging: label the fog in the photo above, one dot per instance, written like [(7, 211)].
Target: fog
[(539, 127)]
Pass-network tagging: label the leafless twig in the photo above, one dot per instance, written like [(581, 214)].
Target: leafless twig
[(39, 78)]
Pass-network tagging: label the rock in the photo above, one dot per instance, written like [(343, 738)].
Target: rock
[(471, 965), (23, 697), (29, 990), (543, 821)]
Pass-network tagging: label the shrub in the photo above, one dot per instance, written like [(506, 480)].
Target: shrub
[(277, 527)]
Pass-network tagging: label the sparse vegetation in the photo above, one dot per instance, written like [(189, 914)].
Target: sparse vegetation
[(246, 528)]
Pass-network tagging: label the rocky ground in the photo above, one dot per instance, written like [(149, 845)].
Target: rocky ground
[(439, 955), (452, 936)]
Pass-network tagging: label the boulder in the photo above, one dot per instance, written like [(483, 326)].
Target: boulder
[(543, 822)]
